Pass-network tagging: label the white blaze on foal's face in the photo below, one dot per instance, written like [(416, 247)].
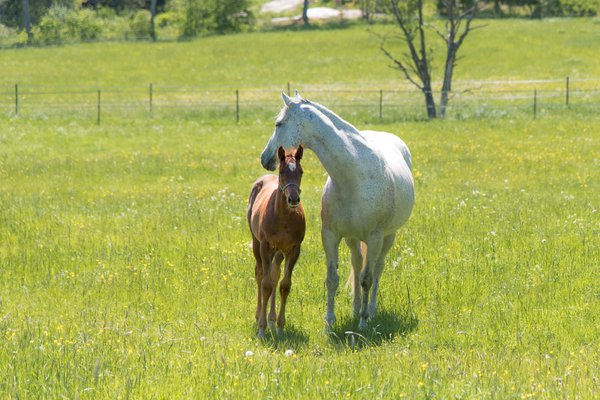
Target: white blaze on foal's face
[(292, 166)]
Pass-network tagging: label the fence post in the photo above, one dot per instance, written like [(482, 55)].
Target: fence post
[(98, 115), (567, 95), (150, 98), (289, 91), (16, 99), (534, 103), (380, 103), (237, 106)]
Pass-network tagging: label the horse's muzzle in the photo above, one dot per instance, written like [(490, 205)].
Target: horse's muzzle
[(268, 164)]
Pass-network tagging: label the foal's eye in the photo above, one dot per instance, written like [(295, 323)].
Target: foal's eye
[(278, 124)]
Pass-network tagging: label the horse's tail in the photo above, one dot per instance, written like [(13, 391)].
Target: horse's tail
[(350, 282)]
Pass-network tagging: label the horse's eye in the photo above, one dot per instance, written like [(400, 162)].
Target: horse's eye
[(278, 124)]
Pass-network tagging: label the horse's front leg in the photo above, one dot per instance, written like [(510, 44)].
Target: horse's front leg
[(331, 242), (275, 274), (266, 254), (374, 246), (286, 285)]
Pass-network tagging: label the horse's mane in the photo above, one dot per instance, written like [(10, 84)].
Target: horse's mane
[(337, 121)]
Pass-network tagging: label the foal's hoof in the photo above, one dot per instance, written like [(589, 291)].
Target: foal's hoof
[(272, 326), (279, 331), (261, 333)]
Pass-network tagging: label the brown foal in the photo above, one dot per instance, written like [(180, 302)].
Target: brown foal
[(277, 224)]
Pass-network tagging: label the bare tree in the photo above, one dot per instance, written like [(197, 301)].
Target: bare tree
[(415, 65)]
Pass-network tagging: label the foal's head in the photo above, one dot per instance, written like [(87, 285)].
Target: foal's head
[(290, 175)]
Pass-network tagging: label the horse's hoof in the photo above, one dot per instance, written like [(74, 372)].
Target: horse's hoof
[(272, 326), (362, 324), (279, 331), (329, 324), (261, 334)]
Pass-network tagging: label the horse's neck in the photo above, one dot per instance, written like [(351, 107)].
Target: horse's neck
[(337, 149), (337, 121)]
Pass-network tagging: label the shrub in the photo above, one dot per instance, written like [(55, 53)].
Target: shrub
[(140, 24), (581, 8)]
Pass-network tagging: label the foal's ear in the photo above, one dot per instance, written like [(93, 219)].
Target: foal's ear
[(299, 153), (281, 154)]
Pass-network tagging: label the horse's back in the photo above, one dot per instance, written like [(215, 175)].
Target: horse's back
[(385, 197), (389, 143)]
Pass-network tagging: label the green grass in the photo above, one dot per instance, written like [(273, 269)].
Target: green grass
[(126, 271), (503, 49), (126, 267)]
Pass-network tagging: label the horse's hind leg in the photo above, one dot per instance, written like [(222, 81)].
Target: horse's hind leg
[(374, 246), (388, 242), (275, 274), (356, 259), (286, 285)]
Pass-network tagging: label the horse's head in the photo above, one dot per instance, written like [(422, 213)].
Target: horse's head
[(290, 175), (288, 131)]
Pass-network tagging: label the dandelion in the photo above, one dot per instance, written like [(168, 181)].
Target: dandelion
[(249, 353), (289, 353)]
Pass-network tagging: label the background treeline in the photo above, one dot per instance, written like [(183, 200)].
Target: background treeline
[(56, 21)]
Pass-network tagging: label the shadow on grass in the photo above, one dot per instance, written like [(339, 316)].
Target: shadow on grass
[(383, 328), (291, 338)]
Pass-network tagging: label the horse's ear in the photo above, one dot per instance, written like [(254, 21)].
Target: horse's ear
[(281, 154), (298, 96), (286, 99), (299, 153)]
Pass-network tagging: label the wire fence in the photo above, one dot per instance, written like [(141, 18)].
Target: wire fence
[(469, 99)]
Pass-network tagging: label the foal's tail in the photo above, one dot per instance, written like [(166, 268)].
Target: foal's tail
[(350, 282), (253, 193)]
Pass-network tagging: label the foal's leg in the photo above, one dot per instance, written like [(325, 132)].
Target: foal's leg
[(356, 259), (266, 254), (331, 242), (286, 285), (275, 273), (374, 245), (257, 274), (388, 242)]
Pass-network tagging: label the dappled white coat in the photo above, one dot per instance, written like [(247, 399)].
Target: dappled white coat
[(368, 196)]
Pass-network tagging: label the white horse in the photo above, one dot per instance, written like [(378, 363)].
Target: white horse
[(368, 196)]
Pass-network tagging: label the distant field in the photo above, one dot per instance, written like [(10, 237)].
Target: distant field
[(125, 266), (503, 49)]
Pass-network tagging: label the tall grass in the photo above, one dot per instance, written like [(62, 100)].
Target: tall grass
[(126, 269)]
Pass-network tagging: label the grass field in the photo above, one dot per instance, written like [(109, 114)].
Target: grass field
[(126, 271)]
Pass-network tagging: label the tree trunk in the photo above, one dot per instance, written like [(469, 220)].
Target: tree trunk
[(27, 20), (447, 84), (429, 101), (305, 12), (152, 15)]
